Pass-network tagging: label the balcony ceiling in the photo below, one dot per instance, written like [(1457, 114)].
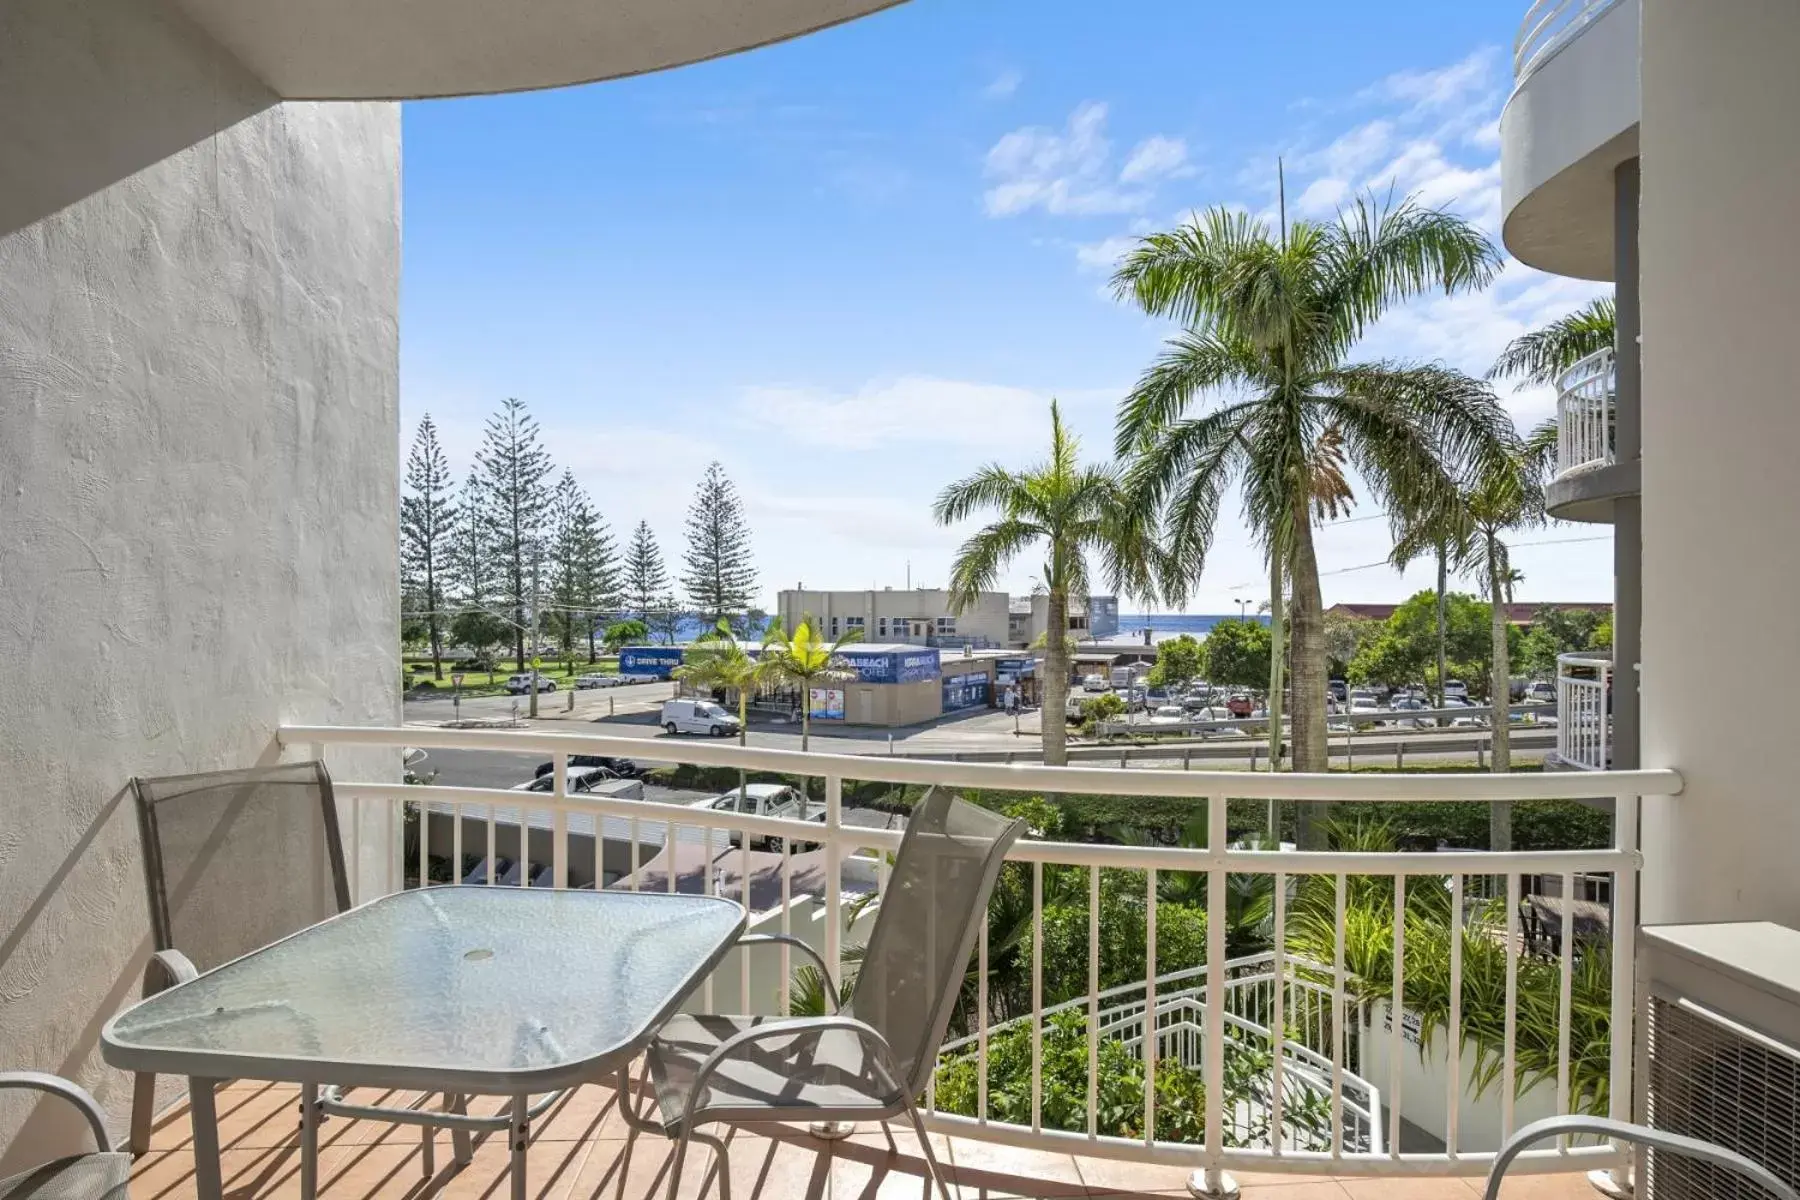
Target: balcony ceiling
[(407, 49)]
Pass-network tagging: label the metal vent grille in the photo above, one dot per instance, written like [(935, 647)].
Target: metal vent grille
[(1711, 1082)]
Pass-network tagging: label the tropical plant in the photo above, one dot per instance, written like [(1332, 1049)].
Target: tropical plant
[(718, 660), (1541, 356), (805, 659), (1270, 321), (1073, 511)]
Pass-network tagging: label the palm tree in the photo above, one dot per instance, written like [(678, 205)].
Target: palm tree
[(806, 659), (1470, 533), (1074, 511), (718, 660), (1541, 356), (1270, 321)]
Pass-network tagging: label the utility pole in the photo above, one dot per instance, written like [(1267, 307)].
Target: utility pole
[(532, 668)]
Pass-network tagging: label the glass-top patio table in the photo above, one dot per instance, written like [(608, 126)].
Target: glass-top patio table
[(460, 990)]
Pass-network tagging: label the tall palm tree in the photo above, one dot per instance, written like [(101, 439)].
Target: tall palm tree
[(1270, 321), (805, 659), (718, 660), (1470, 533), (1074, 511)]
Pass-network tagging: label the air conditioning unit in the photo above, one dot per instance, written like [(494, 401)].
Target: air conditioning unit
[(1719, 1053)]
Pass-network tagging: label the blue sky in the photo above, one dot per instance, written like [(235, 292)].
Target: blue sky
[(855, 266)]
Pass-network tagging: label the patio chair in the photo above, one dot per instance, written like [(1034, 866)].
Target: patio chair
[(212, 842), (869, 1060), (1726, 1162), (99, 1176)]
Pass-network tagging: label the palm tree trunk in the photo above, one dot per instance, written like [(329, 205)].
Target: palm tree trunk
[(1277, 644), (805, 713), (1443, 582), (1500, 698), (1053, 717), (1306, 641)]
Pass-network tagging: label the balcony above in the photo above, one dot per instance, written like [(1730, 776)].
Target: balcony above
[(409, 49), (1572, 119), (1588, 478)]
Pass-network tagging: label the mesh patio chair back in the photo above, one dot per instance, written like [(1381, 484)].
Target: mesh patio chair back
[(925, 928), (235, 860)]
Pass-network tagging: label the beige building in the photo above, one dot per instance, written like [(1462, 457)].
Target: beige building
[(1029, 617), (910, 617)]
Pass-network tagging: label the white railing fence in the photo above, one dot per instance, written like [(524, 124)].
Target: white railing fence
[(1280, 1076), (1549, 25), (1584, 413), (1584, 720)]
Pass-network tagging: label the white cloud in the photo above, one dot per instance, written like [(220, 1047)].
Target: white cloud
[(1103, 255), (1004, 84), (909, 409), (1442, 89), (1069, 172), (1154, 158)]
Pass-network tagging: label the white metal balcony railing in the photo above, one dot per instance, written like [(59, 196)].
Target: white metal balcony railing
[(1549, 25), (1302, 1068), (1584, 413), (1584, 714)]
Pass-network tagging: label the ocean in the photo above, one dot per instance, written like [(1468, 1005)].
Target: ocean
[(1168, 625)]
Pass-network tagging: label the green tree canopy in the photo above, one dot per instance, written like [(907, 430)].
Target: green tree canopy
[(1405, 649), (1237, 653), (1345, 636), (1179, 661), (623, 633), (1557, 631)]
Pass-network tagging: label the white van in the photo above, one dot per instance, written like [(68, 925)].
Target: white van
[(698, 716)]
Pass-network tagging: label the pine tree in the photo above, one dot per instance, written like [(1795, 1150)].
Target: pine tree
[(720, 579), (428, 527), (583, 566), (470, 569), (514, 467), (646, 583)]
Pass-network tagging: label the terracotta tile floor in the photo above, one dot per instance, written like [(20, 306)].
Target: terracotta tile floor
[(580, 1151)]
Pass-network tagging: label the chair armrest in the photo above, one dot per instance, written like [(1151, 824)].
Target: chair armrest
[(1623, 1131), (787, 1027), (788, 939), (175, 966), (56, 1085)]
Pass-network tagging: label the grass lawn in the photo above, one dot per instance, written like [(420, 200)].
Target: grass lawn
[(476, 683)]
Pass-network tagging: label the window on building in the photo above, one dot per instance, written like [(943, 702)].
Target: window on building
[(834, 627), (853, 622), (946, 624), (1078, 622), (881, 626)]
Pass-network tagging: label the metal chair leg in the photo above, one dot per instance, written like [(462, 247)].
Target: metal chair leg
[(931, 1162), (675, 1164), (519, 1136), (722, 1158)]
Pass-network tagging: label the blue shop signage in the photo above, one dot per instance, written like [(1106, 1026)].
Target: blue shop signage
[(649, 660), (965, 691), (894, 666), (1011, 670)]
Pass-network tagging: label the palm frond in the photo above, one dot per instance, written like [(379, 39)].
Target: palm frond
[(1541, 356), (1381, 253), (1190, 363), (1182, 273)]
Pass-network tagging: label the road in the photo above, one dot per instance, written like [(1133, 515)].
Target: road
[(631, 712)]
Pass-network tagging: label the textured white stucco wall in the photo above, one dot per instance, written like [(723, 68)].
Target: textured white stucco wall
[(198, 476), (1721, 503)]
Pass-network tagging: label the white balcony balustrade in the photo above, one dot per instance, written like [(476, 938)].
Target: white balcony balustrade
[(1584, 414), (1549, 25), (1584, 711), (1299, 1068)]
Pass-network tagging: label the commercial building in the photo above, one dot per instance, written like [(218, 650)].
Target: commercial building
[(1029, 618), (909, 617)]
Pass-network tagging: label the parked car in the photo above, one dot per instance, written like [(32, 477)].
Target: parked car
[(1094, 683), (1169, 714), (1338, 689), (598, 680), (624, 768), (578, 779), (1240, 704), (1072, 708), (1541, 691), (1455, 687), (766, 800), (520, 684), (697, 716), (1407, 704)]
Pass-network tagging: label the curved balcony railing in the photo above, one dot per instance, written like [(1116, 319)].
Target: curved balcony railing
[(1584, 711), (1549, 25), (1281, 1076), (1584, 413)]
